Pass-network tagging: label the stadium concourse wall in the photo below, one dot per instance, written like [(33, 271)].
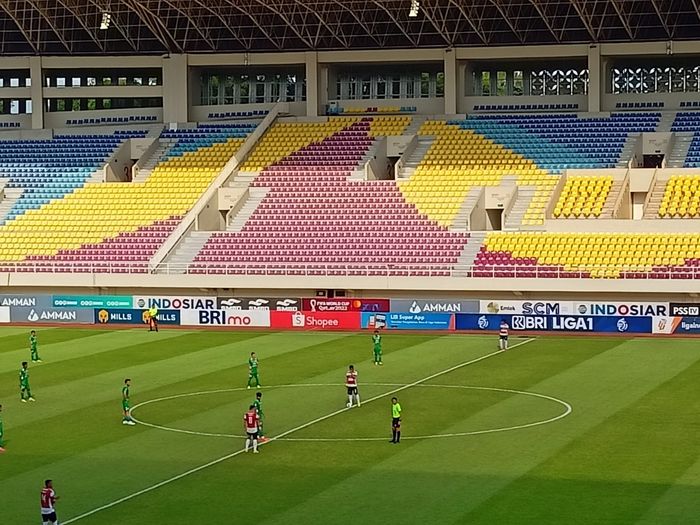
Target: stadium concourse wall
[(525, 316)]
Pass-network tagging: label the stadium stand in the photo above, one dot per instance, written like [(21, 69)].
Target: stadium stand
[(583, 196), (681, 197), (45, 170), (315, 219), (689, 121), (109, 226), (595, 255)]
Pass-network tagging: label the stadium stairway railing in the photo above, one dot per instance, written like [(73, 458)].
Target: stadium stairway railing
[(188, 221)]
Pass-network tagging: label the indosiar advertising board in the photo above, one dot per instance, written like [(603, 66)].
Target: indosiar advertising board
[(131, 316), (555, 323), (175, 302), (408, 321)]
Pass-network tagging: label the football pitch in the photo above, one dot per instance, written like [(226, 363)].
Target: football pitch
[(556, 430)]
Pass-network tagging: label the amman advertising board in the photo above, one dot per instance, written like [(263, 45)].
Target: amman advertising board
[(176, 302), (531, 307), (51, 315), (315, 320), (418, 306), (259, 303), (342, 304), (130, 316), (234, 318), (35, 301)]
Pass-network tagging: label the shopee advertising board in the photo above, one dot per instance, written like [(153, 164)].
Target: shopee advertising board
[(239, 318), (315, 320)]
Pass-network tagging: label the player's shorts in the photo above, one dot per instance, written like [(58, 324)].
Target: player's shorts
[(49, 517), (352, 390), (125, 406), (503, 337), (252, 435), (396, 422)]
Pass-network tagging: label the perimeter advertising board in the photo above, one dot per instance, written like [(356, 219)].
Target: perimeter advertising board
[(35, 301), (408, 321), (342, 304), (22, 314), (131, 316), (175, 302), (684, 309), (555, 323), (235, 318), (92, 301), (627, 309), (676, 325), (288, 304), (315, 320), (532, 307), (418, 306)]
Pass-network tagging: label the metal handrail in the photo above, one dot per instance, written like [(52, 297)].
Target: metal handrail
[(354, 270)]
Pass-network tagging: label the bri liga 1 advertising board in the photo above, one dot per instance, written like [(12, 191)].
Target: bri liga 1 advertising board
[(315, 320), (124, 316), (555, 323), (407, 321), (235, 318), (342, 304)]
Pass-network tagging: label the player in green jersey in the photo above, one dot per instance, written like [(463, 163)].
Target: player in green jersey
[(33, 342), (377, 341), (261, 415), (125, 403), (253, 370), (395, 421), (24, 391), (2, 433)]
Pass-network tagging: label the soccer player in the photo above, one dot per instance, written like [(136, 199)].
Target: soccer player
[(351, 384), (33, 347), (258, 408), (503, 335), (395, 420), (253, 370), (25, 393), (2, 433), (377, 341), (48, 504), (125, 404), (251, 421)]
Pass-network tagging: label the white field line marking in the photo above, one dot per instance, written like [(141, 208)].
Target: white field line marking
[(280, 436), (567, 410)]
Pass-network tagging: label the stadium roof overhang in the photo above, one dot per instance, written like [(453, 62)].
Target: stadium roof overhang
[(81, 27)]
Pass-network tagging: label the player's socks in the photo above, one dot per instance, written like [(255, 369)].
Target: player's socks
[(398, 436), (350, 400), (357, 398), (255, 446), (247, 444)]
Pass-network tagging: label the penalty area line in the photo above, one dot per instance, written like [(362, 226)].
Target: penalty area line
[(282, 435)]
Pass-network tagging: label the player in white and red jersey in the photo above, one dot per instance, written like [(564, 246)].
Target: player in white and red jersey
[(251, 420), (503, 335), (48, 502), (351, 384)]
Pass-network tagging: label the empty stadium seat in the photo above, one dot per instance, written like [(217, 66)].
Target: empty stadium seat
[(583, 196)]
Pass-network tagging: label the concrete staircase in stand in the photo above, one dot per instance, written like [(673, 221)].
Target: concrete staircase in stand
[(679, 151), (416, 156), (462, 218), (183, 255), (149, 164), (657, 193), (11, 196), (628, 150), (466, 259), (255, 196), (609, 206)]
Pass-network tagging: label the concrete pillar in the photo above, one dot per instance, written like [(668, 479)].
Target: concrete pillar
[(312, 84), (595, 78), (175, 93), (37, 92), (451, 83)]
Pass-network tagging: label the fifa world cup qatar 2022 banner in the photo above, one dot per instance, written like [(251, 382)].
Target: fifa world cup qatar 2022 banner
[(342, 304)]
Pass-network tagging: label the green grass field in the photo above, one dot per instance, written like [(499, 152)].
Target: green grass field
[(627, 453)]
